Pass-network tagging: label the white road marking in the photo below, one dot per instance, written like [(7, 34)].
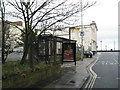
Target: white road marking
[(111, 63), (92, 74), (103, 62), (117, 78), (99, 53), (107, 63), (99, 77), (116, 61)]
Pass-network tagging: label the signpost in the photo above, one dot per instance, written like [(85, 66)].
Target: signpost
[(81, 33)]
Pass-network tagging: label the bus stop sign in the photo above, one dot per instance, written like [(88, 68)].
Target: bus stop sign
[(81, 33)]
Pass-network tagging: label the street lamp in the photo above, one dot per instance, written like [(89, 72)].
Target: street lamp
[(81, 32), (101, 44), (106, 47), (114, 44)]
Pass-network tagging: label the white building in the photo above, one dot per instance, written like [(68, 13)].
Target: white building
[(89, 38), (12, 34), (15, 34)]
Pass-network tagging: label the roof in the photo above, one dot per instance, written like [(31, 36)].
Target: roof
[(93, 23), (84, 26), (58, 39), (17, 23)]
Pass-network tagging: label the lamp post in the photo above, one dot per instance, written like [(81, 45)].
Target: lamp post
[(101, 44), (81, 33), (106, 47), (114, 44)]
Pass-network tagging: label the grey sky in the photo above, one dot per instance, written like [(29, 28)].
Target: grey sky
[(105, 14)]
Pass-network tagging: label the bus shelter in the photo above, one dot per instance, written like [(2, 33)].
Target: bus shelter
[(56, 49)]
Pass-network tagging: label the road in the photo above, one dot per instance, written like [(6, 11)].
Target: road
[(14, 56), (106, 69)]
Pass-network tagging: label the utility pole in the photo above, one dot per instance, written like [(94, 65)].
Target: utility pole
[(106, 47), (101, 44), (81, 32), (114, 45)]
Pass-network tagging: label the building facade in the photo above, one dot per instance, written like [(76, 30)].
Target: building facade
[(12, 34), (89, 38)]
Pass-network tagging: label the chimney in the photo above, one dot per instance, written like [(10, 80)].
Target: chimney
[(93, 23)]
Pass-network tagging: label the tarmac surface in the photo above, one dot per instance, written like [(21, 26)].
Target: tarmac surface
[(106, 69), (14, 56), (73, 76)]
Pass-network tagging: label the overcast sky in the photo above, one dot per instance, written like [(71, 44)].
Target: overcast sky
[(105, 14)]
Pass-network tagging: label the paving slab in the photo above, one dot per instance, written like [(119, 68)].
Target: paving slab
[(73, 76)]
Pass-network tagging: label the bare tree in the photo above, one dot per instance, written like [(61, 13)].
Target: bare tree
[(6, 36), (2, 9), (43, 14)]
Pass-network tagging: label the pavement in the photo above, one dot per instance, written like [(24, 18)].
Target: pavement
[(73, 76)]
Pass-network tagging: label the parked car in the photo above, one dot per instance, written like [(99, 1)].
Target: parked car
[(18, 50), (88, 54)]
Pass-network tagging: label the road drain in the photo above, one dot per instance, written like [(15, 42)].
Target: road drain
[(72, 81)]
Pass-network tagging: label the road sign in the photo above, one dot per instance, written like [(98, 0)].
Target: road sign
[(81, 33)]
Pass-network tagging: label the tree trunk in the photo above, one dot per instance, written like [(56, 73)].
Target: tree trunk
[(31, 51), (3, 38), (3, 45), (54, 41), (25, 51), (47, 52)]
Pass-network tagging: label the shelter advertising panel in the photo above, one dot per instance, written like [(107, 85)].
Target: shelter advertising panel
[(69, 52)]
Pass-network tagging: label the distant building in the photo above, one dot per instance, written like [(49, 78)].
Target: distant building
[(12, 34), (15, 33), (89, 38), (73, 33)]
